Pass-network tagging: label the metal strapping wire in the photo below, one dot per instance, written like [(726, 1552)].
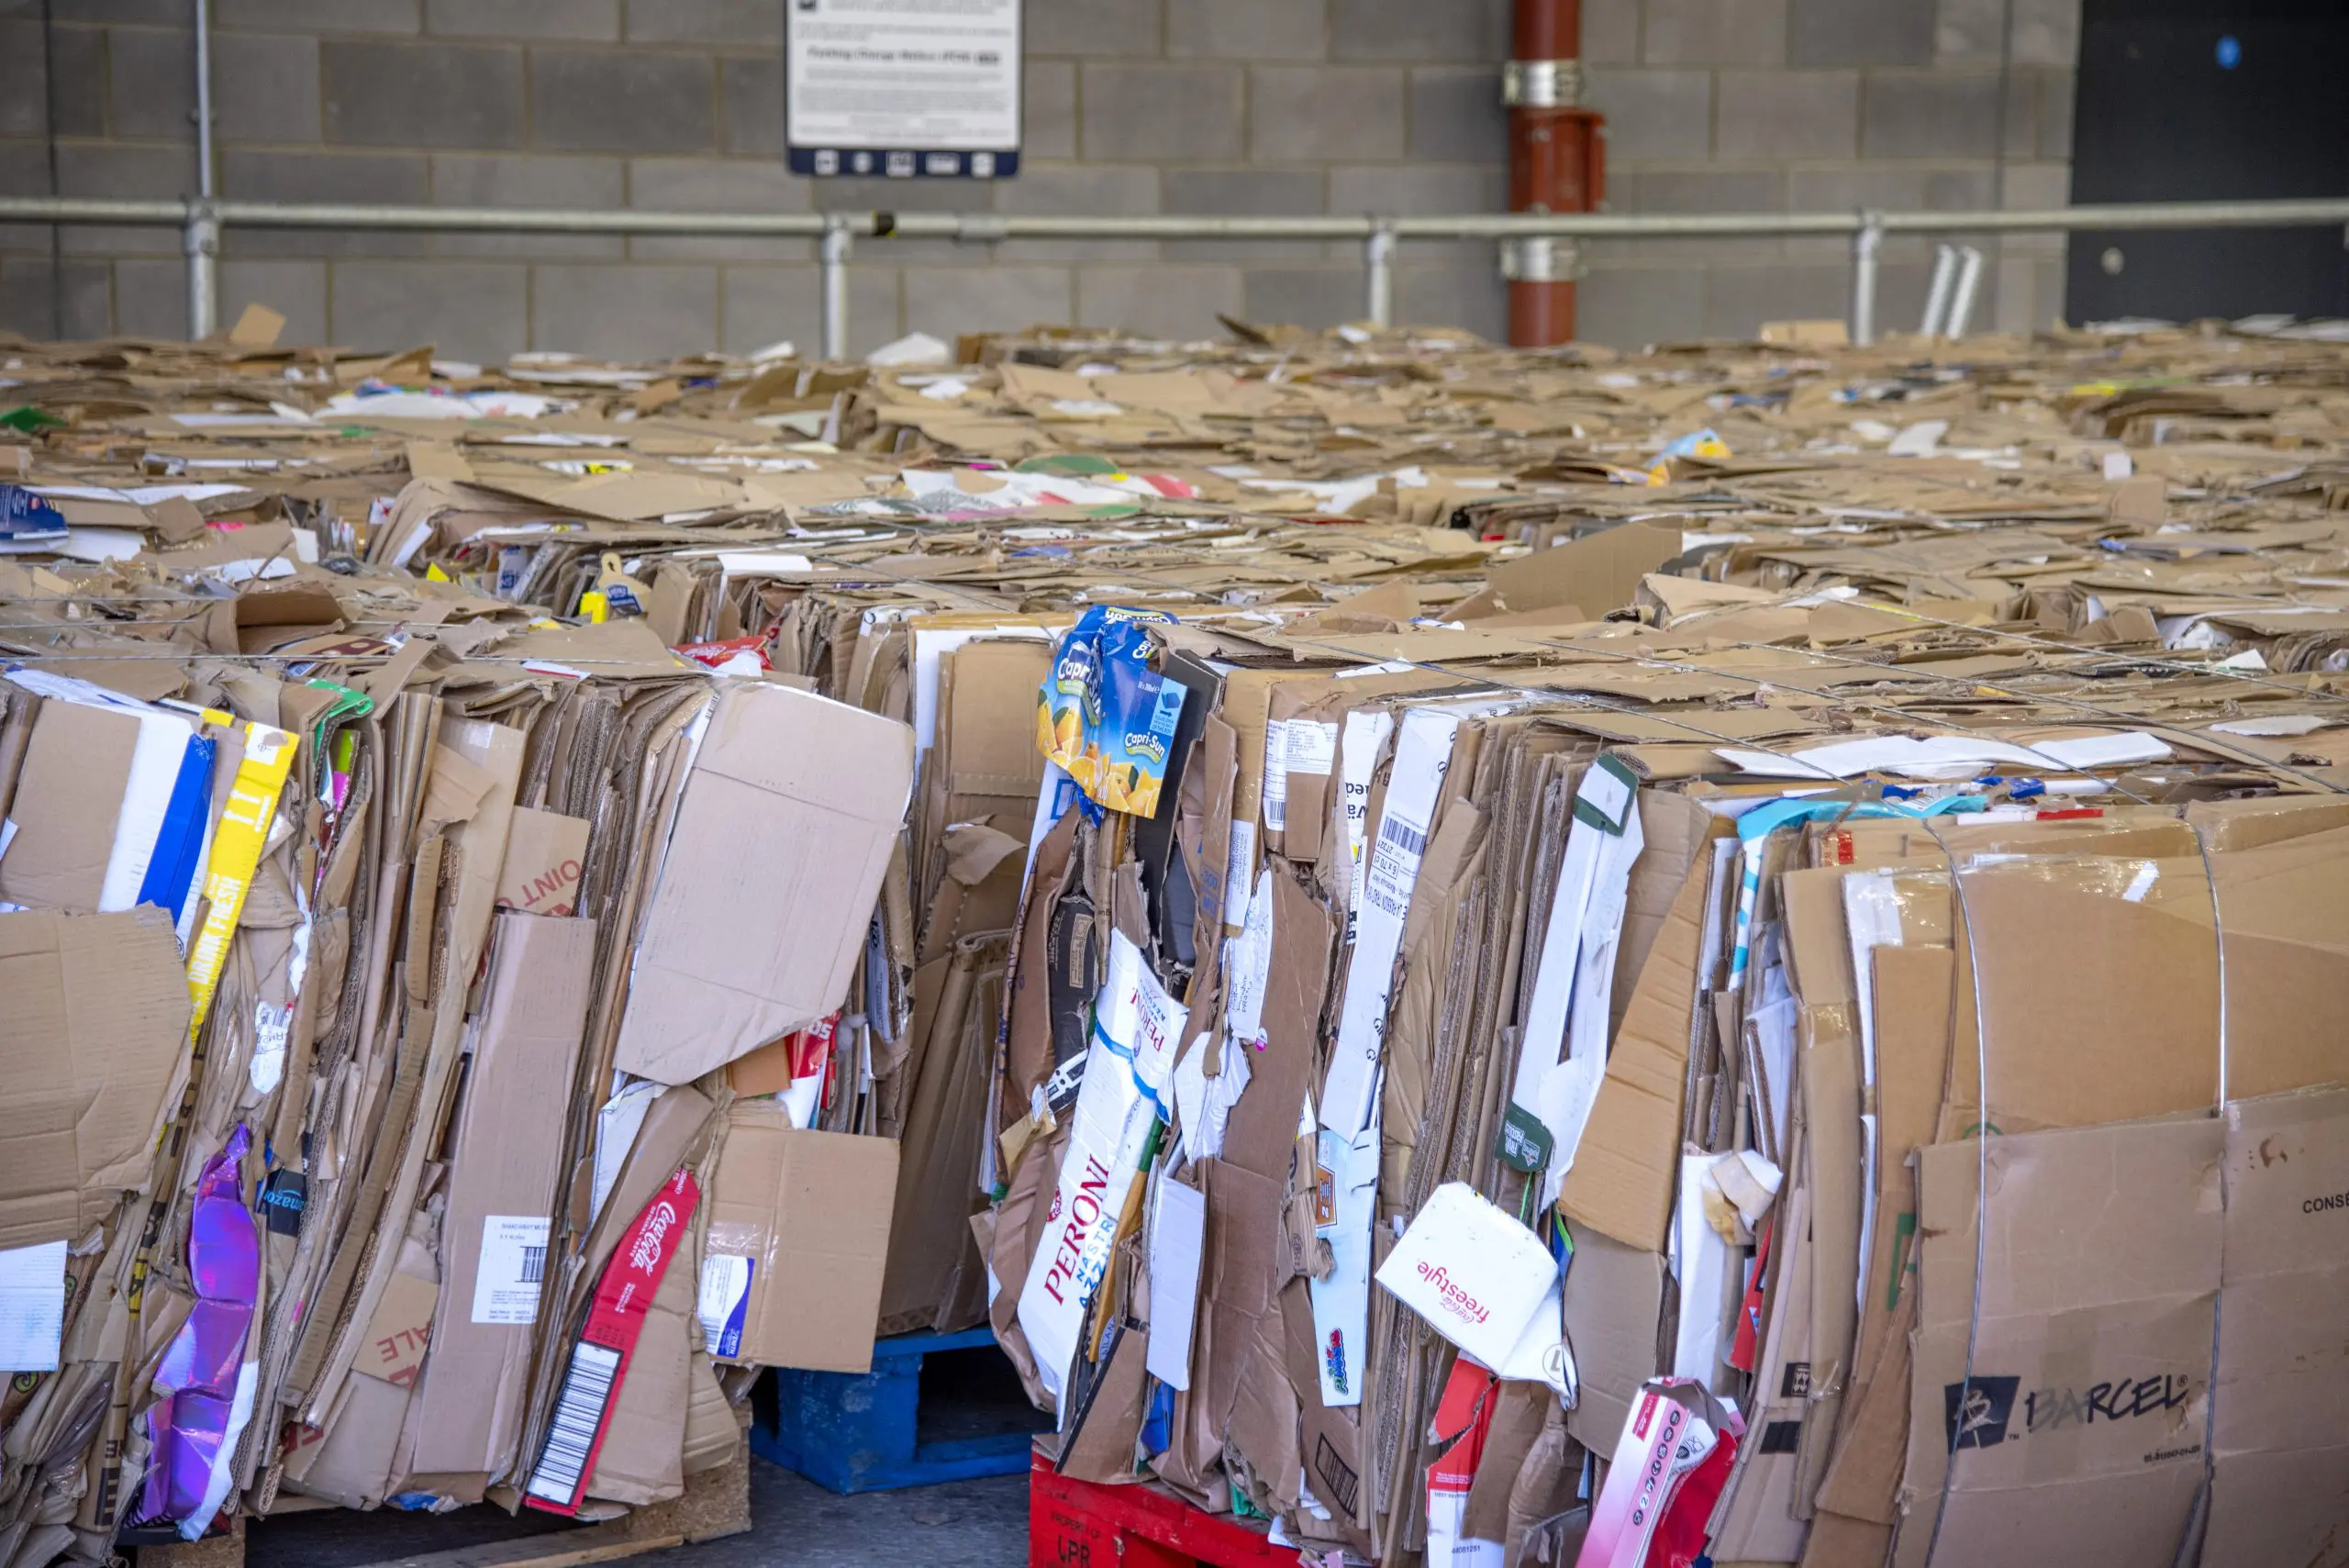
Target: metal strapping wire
[(2201, 1519), (1981, 1173), (1466, 675), (2104, 713), (2180, 666), (1686, 667), (1476, 675)]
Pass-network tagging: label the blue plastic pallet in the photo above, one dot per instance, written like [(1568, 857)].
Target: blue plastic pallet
[(859, 1432)]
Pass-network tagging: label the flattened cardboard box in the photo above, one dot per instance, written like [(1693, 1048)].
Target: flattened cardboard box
[(94, 1023), (67, 801), (2070, 1418), (809, 1213), (1621, 1180), (503, 1181), (544, 854), (758, 912), (2280, 1438)]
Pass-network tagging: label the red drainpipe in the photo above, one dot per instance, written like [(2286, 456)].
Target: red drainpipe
[(1556, 163)]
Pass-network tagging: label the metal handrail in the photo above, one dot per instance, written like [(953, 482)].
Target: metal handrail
[(201, 220)]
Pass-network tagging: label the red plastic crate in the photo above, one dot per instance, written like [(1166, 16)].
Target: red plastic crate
[(1081, 1524)]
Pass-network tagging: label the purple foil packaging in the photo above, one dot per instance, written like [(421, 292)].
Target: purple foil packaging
[(205, 1381)]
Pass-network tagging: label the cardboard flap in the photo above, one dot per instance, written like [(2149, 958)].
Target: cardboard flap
[(94, 1031), (1621, 1182), (761, 905)]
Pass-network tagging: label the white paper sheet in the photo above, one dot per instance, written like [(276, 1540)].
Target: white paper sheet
[(1363, 736), (617, 1122), (512, 1269), (1177, 1235), (1573, 984), (32, 1307), (1706, 1266), (1203, 1104), (163, 740), (1247, 966)]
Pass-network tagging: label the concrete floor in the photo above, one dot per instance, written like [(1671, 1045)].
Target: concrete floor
[(972, 1524)]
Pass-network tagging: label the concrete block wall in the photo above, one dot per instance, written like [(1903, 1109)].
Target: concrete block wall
[(1821, 105), (1132, 106)]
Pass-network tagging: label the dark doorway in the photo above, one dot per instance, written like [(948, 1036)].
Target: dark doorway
[(2203, 100)]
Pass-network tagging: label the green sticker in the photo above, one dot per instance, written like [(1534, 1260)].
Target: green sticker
[(1525, 1142), (1605, 797), (1902, 1229), (1069, 464)]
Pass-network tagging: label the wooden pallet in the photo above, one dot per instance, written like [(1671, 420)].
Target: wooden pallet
[(716, 1503)]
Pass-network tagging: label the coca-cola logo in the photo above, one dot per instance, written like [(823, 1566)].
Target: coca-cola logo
[(646, 1253)]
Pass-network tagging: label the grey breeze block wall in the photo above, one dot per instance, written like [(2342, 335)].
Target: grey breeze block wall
[(1132, 106)]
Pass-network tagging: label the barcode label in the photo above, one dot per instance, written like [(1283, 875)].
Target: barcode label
[(1312, 748), (509, 1269), (1275, 787), (1395, 865), (1410, 839), (578, 1415)]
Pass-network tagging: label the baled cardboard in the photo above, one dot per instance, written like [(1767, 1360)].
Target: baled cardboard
[(401, 1329), (1261, 1133), (789, 816), (1101, 1449), (1760, 1518), (1240, 1277), (1266, 1408), (94, 1029), (2282, 909), (939, 1152), (809, 1212), (2016, 587), (1835, 1150), (1912, 990), (2127, 1026), (353, 1458), (505, 1172)]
